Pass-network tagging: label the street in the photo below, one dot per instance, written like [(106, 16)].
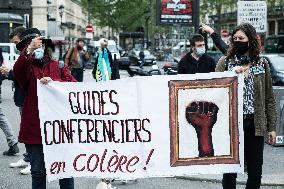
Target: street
[(12, 179)]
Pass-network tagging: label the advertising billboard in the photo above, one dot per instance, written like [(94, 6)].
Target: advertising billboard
[(181, 12)]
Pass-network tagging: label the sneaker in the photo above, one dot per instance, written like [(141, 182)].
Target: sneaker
[(20, 163), (109, 186), (13, 150), (26, 171)]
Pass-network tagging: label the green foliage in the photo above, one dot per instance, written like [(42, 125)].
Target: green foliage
[(123, 15)]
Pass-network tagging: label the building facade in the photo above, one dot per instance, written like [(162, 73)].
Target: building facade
[(275, 18), (13, 13), (44, 15)]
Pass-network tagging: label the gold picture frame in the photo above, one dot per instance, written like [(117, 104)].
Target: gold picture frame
[(227, 82)]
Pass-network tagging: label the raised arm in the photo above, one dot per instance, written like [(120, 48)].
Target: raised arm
[(218, 42)]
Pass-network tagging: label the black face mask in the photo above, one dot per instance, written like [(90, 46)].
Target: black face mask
[(241, 47)]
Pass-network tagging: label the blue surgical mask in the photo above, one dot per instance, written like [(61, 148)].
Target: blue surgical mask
[(38, 53), (200, 51)]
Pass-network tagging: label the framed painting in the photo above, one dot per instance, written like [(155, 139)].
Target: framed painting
[(204, 121)]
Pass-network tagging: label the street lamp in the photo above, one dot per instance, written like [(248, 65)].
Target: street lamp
[(147, 15), (61, 10)]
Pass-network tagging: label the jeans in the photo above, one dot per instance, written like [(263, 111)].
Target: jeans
[(142, 62), (7, 129), (38, 170), (253, 150), (77, 73)]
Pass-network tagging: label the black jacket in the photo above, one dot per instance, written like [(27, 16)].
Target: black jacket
[(1, 57), (187, 65), (113, 65), (19, 93), (219, 43)]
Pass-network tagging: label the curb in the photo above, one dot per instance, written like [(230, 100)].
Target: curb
[(220, 181)]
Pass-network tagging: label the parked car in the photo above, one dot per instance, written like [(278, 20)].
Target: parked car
[(112, 47), (135, 59), (10, 54), (276, 63), (274, 44)]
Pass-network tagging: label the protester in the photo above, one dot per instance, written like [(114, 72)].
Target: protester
[(142, 58), (6, 126), (35, 62), (259, 106), (76, 59), (105, 68), (19, 95), (196, 61)]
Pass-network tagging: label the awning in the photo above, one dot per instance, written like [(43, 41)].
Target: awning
[(9, 17)]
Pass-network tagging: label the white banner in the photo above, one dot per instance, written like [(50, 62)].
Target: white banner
[(143, 126), (253, 12)]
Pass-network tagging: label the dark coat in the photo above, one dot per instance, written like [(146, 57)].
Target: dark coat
[(26, 72), (187, 65), (219, 43), (1, 57), (1, 62), (113, 65), (19, 93)]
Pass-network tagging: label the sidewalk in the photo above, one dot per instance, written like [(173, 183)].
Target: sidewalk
[(273, 169)]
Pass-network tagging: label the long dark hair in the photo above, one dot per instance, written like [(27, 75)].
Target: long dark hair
[(249, 30)]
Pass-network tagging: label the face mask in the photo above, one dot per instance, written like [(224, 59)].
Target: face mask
[(200, 51), (39, 53), (241, 47)]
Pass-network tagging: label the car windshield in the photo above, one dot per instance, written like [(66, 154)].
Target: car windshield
[(277, 62), (112, 48), (147, 53)]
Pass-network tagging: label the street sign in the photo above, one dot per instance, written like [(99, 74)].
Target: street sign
[(89, 35), (253, 12), (89, 29)]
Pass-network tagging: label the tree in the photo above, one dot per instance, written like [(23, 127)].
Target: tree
[(215, 7), (117, 14)]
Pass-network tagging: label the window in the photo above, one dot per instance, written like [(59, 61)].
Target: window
[(271, 28), (5, 49), (281, 27)]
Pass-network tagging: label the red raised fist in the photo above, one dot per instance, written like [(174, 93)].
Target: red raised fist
[(202, 115)]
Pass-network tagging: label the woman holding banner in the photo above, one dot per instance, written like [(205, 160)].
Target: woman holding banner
[(35, 63), (259, 107)]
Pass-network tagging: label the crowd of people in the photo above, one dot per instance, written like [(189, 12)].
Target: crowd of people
[(241, 55)]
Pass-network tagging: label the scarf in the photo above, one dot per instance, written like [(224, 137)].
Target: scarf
[(103, 72)]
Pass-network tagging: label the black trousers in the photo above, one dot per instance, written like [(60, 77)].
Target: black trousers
[(253, 150), (77, 73)]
